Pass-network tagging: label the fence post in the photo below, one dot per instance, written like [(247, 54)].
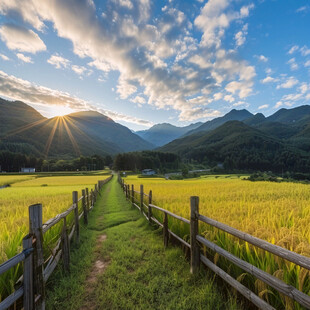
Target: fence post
[(91, 198), (126, 194), (35, 229), (28, 274), (141, 197), (84, 206), (132, 194), (149, 213), (76, 214), (65, 247), (195, 252), (87, 198), (165, 230)]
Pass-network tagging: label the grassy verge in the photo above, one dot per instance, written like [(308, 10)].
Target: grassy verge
[(140, 273)]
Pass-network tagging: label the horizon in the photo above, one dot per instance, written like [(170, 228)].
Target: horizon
[(143, 63)]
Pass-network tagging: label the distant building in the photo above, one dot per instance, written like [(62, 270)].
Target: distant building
[(148, 172), (28, 170)]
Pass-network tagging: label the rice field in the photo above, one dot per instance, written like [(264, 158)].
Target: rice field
[(55, 194), (276, 212)]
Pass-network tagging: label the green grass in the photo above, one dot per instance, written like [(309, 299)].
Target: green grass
[(141, 274)]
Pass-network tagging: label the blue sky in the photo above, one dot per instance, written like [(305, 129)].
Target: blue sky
[(142, 62)]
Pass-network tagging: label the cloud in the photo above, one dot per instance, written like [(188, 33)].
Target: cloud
[(24, 58), (303, 9), (215, 17), (19, 89), (229, 98), (268, 79), (307, 63), (157, 58), (305, 51), (138, 99), (293, 64), (241, 103), (293, 49), (21, 39), (4, 57), (289, 83), (58, 61), (80, 70), (261, 58), (264, 106), (240, 36)]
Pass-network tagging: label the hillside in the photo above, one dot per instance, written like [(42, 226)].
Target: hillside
[(82, 133), (233, 115), (161, 134), (239, 146)]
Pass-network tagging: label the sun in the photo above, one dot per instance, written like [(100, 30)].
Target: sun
[(60, 111)]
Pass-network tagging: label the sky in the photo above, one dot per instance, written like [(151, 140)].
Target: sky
[(143, 62)]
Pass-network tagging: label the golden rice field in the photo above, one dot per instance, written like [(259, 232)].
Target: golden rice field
[(55, 194), (9, 179), (276, 212)]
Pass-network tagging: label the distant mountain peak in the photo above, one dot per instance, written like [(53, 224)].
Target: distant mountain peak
[(90, 114)]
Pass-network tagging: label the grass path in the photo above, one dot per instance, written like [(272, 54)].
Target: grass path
[(121, 264)]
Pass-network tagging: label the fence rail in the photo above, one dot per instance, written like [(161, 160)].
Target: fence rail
[(197, 258), (36, 271)]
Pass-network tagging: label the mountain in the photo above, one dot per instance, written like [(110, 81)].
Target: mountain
[(290, 116), (161, 134), (239, 146), (233, 115), (85, 133)]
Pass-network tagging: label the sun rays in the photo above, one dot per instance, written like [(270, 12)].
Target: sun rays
[(57, 127)]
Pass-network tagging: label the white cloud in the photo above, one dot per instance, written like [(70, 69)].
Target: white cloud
[(125, 88), (19, 89), (101, 65), (4, 57), (240, 36), (229, 98), (21, 39), (305, 51), (293, 64), (261, 58), (241, 103), (293, 49), (268, 79), (307, 63), (264, 106), (278, 105), (303, 9), (58, 61), (80, 70), (24, 58), (289, 83), (138, 99)]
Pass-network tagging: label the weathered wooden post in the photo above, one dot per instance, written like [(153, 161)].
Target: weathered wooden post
[(165, 230), (91, 198), (149, 213), (195, 252), (96, 192), (76, 214), (126, 194), (84, 206), (141, 197), (28, 274), (87, 198), (128, 191), (35, 229), (99, 188), (65, 246), (132, 194)]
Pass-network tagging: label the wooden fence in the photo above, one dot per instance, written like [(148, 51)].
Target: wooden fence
[(197, 258), (36, 269)]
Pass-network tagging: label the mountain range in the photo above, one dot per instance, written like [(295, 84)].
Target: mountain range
[(238, 139)]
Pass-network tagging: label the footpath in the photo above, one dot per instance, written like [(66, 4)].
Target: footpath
[(122, 264)]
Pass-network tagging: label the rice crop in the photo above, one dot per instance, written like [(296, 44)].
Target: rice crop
[(53, 192), (276, 212)]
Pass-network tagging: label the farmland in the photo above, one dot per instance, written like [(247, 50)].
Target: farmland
[(276, 212), (55, 194)]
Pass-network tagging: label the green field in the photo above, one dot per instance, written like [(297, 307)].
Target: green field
[(53, 192)]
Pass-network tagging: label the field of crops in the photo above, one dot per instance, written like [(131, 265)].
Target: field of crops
[(55, 194), (276, 212)]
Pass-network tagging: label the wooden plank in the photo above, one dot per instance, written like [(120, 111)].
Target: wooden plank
[(71, 232), (91, 199), (149, 208), (65, 247), (87, 199), (179, 238), (141, 197), (132, 194), (35, 229), (170, 213), (12, 262), (195, 251), (155, 220), (52, 266), (261, 304), (165, 230), (272, 248), (81, 215), (6, 303), (76, 215), (137, 206), (274, 282), (84, 205), (28, 301)]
